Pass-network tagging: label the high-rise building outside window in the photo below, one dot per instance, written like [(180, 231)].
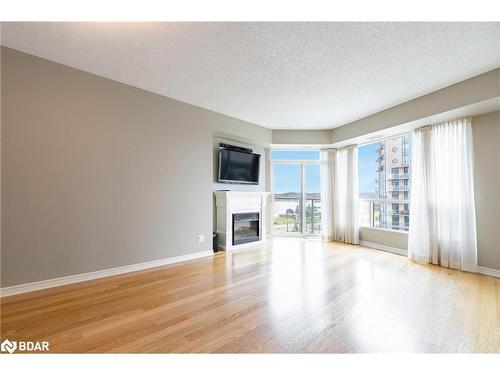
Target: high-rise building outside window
[(384, 175)]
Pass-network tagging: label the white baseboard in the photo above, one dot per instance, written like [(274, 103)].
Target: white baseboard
[(466, 267), (44, 284), (395, 250), (488, 271), (39, 285), (389, 249)]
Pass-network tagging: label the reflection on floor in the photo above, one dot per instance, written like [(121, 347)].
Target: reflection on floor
[(292, 295)]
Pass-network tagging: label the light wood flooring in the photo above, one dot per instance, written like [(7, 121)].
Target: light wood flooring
[(292, 296)]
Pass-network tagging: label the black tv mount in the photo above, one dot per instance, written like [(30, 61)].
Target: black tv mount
[(236, 148)]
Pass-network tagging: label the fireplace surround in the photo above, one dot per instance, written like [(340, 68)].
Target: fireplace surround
[(241, 218)]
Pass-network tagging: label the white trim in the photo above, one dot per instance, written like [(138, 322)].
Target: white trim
[(467, 268), (242, 246), (394, 250), (229, 203), (44, 284), (385, 229), (295, 161), (297, 147), (488, 271)]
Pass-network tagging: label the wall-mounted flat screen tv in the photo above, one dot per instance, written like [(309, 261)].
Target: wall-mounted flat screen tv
[(238, 167)]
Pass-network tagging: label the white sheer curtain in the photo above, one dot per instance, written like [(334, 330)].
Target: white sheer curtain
[(442, 208), (339, 194)]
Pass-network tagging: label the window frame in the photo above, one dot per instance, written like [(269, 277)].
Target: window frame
[(302, 163), (391, 200)]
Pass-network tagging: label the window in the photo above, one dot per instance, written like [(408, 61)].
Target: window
[(395, 221), (384, 197), (296, 192), (312, 155), (405, 140)]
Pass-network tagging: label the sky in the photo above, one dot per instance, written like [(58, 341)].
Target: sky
[(367, 168), (287, 176)]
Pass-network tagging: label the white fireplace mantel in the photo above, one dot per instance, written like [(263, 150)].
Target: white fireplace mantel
[(235, 202)]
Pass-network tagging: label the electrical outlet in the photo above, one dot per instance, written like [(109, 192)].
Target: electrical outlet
[(200, 238)]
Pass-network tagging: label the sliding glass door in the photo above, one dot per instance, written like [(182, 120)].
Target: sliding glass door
[(296, 192), (287, 198), (312, 199)]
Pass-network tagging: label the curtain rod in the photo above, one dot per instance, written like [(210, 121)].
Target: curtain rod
[(383, 139), (444, 122)]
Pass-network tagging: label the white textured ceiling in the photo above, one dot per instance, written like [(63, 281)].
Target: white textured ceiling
[(278, 75)]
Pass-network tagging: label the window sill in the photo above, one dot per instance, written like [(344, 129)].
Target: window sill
[(384, 230)]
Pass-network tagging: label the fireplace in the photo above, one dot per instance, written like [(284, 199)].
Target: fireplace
[(245, 227), (241, 218)]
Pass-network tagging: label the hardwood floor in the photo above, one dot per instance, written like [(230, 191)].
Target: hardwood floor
[(294, 296)]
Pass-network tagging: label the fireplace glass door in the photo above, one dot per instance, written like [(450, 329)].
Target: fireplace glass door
[(245, 227)]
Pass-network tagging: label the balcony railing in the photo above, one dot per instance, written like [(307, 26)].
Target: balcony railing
[(400, 176), (377, 213), (397, 188), (398, 212), (313, 216), (287, 215)]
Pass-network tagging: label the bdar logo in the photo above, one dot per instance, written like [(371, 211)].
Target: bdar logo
[(24, 346), (8, 346)]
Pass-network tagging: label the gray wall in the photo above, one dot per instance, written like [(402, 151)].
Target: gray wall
[(398, 240), (301, 137), (97, 174), (486, 134)]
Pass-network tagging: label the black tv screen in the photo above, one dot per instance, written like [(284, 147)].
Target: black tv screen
[(238, 167)]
